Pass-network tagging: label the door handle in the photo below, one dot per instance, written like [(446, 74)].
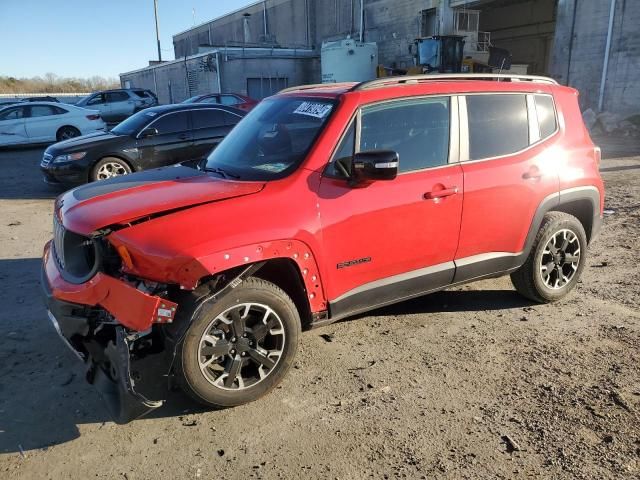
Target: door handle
[(183, 136), (445, 192), (532, 174)]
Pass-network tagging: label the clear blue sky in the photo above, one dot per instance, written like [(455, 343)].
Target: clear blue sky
[(82, 38)]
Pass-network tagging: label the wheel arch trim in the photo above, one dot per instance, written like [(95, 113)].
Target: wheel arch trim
[(299, 253)]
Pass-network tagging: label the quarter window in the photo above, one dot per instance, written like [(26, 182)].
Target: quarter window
[(546, 115), (498, 125), (418, 130), (340, 165), (171, 123)]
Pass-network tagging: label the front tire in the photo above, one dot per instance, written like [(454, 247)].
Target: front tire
[(109, 167), (556, 261), (239, 348)]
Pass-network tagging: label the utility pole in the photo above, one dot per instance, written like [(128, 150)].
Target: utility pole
[(155, 9)]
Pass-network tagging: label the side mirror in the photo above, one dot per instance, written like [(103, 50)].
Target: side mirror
[(373, 165), (148, 132)]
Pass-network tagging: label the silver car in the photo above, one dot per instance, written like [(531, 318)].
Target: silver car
[(116, 105)]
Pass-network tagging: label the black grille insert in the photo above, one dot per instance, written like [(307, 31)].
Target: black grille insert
[(77, 256)]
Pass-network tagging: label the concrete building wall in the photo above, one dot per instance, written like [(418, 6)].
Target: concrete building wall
[(578, 56), (178, 80)]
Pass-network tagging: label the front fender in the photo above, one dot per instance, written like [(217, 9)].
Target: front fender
[(193, 271)]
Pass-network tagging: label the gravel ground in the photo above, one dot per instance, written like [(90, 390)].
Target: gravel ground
[(469, 383)]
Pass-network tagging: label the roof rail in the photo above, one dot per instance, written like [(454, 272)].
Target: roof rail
[(315, 85), (413, 79)]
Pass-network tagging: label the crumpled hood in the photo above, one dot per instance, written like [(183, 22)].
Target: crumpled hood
[(131, 197)]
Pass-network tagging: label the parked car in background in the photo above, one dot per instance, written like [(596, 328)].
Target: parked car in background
[(116, 105), (45, 98), (152, 138), (230, 99), (41, 122)]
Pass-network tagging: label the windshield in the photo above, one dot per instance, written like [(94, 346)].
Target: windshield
[(191, 99), (272, 140), (134, 123)]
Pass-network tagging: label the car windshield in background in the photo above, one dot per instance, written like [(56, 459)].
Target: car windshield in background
[(191, 99), (134, 123), (272, 140)]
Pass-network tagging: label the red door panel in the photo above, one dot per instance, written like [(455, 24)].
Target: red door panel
[(389, 227), (500, 200)]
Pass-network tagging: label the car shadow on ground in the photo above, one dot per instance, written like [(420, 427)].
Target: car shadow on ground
[(44, 399), (21, 177)]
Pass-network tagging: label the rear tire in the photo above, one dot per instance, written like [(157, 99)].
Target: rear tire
[(556, 260), (67, 132), (239, 348), (109, 167)]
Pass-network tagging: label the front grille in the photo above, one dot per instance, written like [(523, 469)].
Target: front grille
[(77, 256), (46, 159), (58, 241)]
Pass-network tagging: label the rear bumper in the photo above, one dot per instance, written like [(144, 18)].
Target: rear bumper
[(113, 355)]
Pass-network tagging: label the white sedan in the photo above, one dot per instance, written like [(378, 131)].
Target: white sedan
[(41, 122)]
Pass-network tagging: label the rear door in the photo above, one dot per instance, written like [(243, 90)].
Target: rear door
[(393, 239), (210, 126), (43, 122), (172, 144), (508, 171), (12, 126), (120, 105)]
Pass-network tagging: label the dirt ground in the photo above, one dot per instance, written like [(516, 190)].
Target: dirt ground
[(469, 383)]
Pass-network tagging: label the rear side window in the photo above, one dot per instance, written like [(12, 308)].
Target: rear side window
[(171, 123), (113, 97), (498, 125), (212, 117), (141, 93), (42, 111), (546, 115), (418, 130), (229, 100)]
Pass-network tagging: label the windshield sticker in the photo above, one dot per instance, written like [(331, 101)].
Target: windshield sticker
[(313, 109), (272, 167)]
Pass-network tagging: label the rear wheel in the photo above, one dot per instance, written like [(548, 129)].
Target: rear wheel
[(240, 347), (556, 261), (109, 167), (67, 132)]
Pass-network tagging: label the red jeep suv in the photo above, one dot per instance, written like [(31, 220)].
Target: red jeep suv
[(325, 201)]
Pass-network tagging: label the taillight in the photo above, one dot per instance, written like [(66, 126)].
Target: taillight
[(597, 153), (93, 117)]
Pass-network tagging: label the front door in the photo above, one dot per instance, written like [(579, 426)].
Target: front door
[(12, 126), (41, 124), (392, 239), (172, 144)]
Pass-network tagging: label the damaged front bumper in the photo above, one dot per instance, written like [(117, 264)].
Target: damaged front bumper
[(122, 363)]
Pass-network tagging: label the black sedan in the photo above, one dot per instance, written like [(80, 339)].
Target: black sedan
[(154, 137)]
